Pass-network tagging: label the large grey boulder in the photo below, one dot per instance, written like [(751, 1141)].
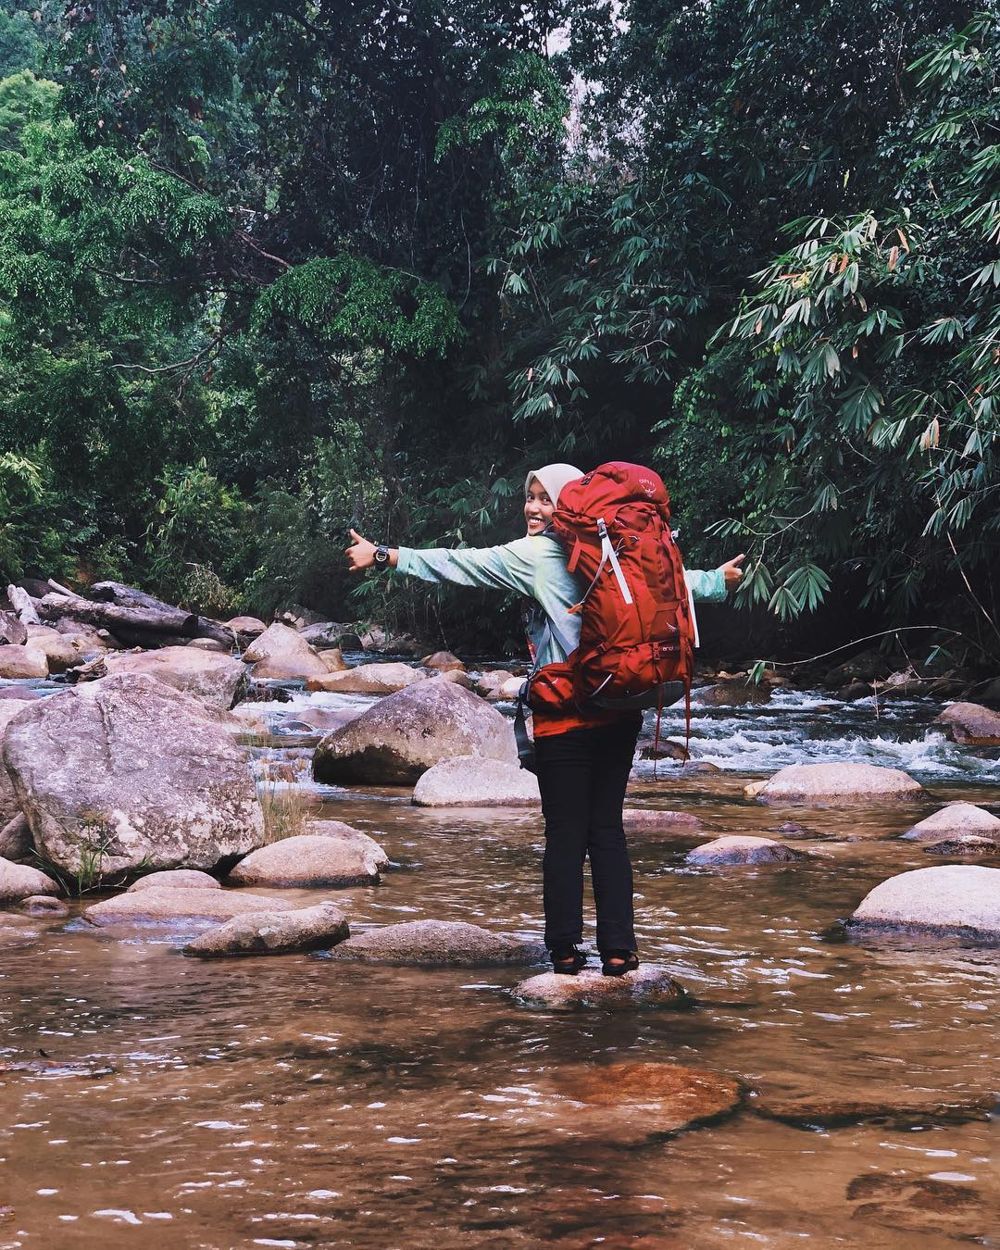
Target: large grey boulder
[(439, 943), (216, 679), (397, 739), (163, 906), (469, 781), (18, 882), (741, 849), (323, 635), (9, 709), (971, 724), (282, 654), (23, 662), (955, 820), (959, 899), (385, 678), (647, 987), (835, 784), (313, 861), (274, 933), (133, 774)]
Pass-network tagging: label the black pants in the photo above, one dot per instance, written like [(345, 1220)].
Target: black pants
[(582, 776)]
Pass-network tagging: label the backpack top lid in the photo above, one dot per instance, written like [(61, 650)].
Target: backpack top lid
[(611, 485)]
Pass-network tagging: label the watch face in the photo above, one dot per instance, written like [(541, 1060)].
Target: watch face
[(381, 555)]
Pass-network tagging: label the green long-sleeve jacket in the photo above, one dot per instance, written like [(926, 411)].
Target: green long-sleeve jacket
[(534, 566)]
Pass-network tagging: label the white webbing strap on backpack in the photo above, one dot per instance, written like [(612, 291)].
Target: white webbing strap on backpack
[(608, 553), (608, 556)]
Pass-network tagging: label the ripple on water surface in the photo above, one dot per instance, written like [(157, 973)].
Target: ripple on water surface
[(303, 1101)]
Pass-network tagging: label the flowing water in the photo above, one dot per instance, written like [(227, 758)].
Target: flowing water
[(152, 1100)]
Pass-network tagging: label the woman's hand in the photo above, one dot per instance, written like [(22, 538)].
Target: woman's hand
[(732, 571), (360, 554)]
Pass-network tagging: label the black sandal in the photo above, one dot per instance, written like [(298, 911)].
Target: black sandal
[(624, 961), (567, 960)]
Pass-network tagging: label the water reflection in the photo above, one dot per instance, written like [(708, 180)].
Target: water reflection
[(305, 1101)]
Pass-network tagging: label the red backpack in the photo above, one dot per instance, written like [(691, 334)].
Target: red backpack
[(637, 638)]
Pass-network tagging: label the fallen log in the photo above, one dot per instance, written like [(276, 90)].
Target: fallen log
[(131, 597), (23, 605), (128, 597), (160, 620)]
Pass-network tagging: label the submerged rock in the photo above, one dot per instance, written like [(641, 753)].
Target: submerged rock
[(954, 899), (313, 861), (218, 679), (744, 850), (397, 739), (971, 724), (903, 1109), (282, 654), (667, 1097), (967, 844), (648, 986), (152, 906), (387, 678), (835, 783), (135, 774), (906, 1203), (43, 905), (274, 933), (648, 820), (954, 820), (469, 781), (439, 943), (18, 882), (175, 879)]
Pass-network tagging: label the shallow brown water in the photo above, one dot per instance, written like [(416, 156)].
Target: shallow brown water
[(301, 1101)]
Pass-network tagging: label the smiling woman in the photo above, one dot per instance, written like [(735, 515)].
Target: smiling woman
[(583, 755)]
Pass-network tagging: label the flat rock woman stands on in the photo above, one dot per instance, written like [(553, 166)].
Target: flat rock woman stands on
[(582, 757)]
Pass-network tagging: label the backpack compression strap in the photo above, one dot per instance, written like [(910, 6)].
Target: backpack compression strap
[(608, 556)]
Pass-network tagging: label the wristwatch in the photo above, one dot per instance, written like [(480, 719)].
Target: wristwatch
[(381, 556)]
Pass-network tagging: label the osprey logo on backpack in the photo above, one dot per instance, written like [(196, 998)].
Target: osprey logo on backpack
[(636, 636)]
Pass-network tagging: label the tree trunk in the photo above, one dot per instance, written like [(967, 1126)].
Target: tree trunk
[(161, 619), (23, 605)]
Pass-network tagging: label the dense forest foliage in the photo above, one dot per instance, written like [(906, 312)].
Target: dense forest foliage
[(272, 269)]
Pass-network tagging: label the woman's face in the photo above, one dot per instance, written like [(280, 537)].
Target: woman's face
[(538, 507)]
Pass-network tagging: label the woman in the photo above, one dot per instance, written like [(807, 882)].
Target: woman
[(583, 760)]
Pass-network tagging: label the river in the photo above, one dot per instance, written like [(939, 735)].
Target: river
[(152, 1100)]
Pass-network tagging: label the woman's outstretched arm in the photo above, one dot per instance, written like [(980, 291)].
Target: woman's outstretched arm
[(508, 567)]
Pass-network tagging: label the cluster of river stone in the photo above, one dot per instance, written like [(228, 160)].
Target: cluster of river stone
[(141, 773)]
